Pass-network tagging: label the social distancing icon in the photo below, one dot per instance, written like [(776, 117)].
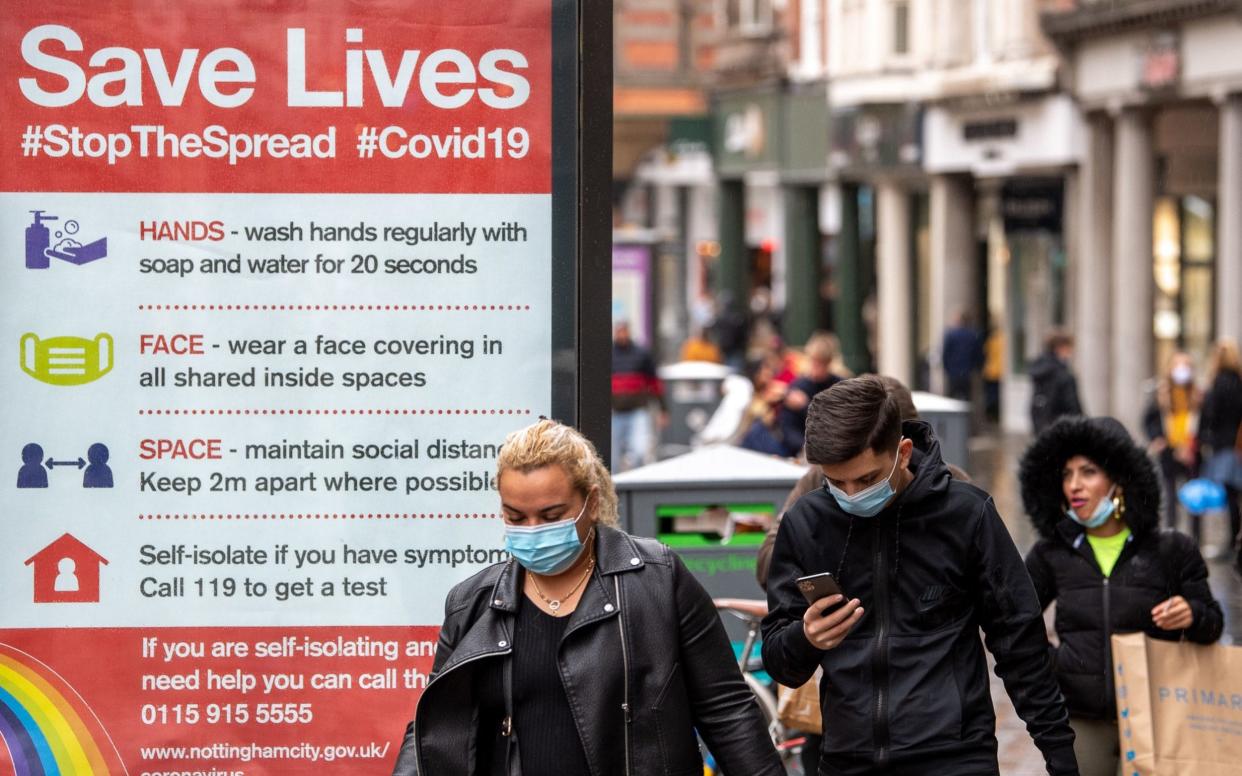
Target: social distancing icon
[(96, 473)]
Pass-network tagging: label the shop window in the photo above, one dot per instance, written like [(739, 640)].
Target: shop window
[(1034, 256), (1184, 259), (748, 16), (810, 38), (901, 27)]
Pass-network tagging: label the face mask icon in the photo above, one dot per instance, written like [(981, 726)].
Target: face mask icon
[(66, 360)]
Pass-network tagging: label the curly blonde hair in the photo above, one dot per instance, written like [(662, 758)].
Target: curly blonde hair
[(548, 443)]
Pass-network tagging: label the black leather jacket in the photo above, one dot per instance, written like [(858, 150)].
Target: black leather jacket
[(644, 639)]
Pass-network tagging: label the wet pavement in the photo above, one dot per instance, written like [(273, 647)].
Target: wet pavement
[(994, 464)]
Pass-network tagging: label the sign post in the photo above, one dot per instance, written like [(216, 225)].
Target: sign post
[(277, 284)]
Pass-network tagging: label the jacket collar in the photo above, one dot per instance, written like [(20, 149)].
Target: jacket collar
[(931, 476), (1076, 537), (615, 553)]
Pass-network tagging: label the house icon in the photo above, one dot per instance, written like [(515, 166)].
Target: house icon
[(66, 571)]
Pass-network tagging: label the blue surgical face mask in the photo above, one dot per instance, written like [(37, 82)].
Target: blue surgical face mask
[(546, 549), (1099, 515), (869, 501)]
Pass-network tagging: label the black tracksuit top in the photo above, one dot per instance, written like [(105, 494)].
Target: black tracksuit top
[(907, 690)]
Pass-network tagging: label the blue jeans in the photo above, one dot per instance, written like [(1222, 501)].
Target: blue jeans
[(631, 439)]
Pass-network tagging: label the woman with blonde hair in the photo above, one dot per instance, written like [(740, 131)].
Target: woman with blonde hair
[(590, 652), (1169, 422)]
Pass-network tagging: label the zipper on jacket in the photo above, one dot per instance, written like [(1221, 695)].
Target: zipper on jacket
[(625, 679), (418, 750), (879, 658), (1108, 647)]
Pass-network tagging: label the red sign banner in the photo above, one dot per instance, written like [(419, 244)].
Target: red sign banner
[(264, 264)]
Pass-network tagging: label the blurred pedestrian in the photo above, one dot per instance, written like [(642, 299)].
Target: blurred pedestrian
[(926, 563), (1093, 496), (635, 388), (817, 375), (1055, 389), (761, 430), (698, 347), (1169, 423), (588, 652), (961, 355), (731, 330), (766, 343), (993, 369), (1220, 432)]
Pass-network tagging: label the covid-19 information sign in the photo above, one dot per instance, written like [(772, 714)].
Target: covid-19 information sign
[(276, 279)]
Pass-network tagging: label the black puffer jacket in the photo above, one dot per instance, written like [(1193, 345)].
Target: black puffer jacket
[(907, 691), (1222, 412), (644, 662), (1154, 565), (1055, 391)]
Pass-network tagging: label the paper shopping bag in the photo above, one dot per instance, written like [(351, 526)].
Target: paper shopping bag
[(798, 708), (1179, 707)]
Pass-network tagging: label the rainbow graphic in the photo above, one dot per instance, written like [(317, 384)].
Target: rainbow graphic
[(47, 728)]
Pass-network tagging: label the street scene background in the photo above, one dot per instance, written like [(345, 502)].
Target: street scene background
[(954, 193)]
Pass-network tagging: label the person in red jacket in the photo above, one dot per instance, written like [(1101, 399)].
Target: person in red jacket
[(635, 387)]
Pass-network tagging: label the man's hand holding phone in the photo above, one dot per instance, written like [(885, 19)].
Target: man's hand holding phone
[(826, 631), (822, 593)]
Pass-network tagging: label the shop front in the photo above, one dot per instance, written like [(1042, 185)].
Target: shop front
[(747, 138), (676, 189), (881, 256), (1161, 87), (1005, 167), (807, 230)]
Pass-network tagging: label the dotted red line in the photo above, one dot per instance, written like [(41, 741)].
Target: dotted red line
[(336, 307), (334, 412), (327, 516)]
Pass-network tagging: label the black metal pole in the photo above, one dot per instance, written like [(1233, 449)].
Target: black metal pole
[(594, 150)]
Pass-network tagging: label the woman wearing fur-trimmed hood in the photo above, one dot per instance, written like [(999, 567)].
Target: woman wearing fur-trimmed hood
[(1094, 497)]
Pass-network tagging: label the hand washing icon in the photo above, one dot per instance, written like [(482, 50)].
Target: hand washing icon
[(40, 250)]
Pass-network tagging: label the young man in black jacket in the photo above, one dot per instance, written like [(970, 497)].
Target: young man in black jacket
[(926, 562)]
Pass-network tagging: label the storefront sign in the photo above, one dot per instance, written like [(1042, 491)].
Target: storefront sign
[(877, 138), (805, 156), (1160, 61), (276, 285), (1032, 205), (747, 132), (990, 129), (631, 289), (1028, 134)]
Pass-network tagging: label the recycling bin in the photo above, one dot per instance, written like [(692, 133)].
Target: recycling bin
[(692, 393), (950, 421), (713, 506)]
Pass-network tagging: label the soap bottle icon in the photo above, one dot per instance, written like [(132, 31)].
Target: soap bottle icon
[(38, 239)]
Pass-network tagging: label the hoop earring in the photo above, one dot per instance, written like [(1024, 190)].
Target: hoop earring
[(1119, 504)]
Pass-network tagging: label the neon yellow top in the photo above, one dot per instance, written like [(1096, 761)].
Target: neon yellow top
[(1107, 549)]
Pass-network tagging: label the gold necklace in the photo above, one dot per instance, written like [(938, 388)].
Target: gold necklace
[(555, 603)]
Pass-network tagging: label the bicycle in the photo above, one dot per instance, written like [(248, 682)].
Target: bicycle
[(788, 744)]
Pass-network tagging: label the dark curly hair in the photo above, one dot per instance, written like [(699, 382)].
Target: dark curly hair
[(1106, 443)]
